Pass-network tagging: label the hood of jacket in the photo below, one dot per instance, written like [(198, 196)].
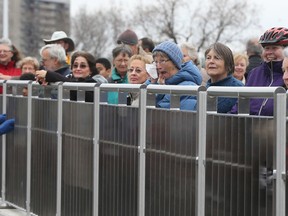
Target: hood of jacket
[(189, 72)]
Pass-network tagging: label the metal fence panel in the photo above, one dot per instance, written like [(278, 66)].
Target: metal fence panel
[(171, 166)]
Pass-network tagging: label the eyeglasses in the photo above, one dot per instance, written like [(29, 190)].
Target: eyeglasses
[(161, 62), (44, 60), (82, 66), (137, 70), (5, 51)]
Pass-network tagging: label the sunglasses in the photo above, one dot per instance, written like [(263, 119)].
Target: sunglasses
[(82, 66)]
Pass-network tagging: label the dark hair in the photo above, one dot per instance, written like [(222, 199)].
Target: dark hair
[(125, 49), (105, 62), (90, 60), (147, 43), (27, 76), (225, 53)]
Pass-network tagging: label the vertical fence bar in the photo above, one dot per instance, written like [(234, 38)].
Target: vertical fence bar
[(142, 147), (201, 133), (96, 138), (59, 148), (4, 109), (29, 125), (280, 153)]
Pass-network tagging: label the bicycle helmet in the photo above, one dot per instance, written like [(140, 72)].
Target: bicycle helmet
[(275, 36)]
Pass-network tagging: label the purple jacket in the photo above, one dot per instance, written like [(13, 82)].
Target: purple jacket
[(266, 74)]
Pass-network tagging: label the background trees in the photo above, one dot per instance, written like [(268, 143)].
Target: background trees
[(201, 23)]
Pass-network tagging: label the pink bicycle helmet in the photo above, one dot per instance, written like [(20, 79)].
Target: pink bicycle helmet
[(275, 36)]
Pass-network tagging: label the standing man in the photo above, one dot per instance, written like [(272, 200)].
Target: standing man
[(60, 37), (254, 51)]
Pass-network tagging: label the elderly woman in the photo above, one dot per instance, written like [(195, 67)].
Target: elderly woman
[(168, 59), (241, 63), (9, 56), (29, 65), (121, 55), (83, 66), (219, 65), (137, 74)]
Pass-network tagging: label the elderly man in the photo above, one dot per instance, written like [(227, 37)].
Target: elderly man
[(53, 58)]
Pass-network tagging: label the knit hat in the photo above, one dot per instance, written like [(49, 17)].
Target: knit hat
[(172, 51), (128, 37)]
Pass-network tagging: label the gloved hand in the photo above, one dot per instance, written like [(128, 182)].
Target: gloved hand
[(7, 126), (2, 118)]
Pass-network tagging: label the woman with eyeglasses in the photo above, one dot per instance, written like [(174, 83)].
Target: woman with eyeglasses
[(172, 71), (9, 56), (83, 66), (137, 74)]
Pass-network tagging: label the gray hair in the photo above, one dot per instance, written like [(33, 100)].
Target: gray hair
[(192, 52), (6, 41), (29, 60), (55, 51)]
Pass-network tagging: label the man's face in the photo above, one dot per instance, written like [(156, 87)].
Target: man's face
[(49, 63)]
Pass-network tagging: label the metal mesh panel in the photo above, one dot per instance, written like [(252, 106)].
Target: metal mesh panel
[(170, 163), (118, 161), (16, 149), (77, 161), (239, 166), (44, 157)]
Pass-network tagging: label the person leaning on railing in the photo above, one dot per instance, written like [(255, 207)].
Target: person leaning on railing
[(269, 73), (83, 65), (219, 64), (171, 71)]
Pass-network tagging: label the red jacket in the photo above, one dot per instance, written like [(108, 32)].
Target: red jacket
[(10, 70)]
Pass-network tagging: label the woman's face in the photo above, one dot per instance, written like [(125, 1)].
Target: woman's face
[(137, 73), (28, 68), (240, 68), (80, 68), (5, 54), (165, 67), (121, 63), (285, 71), (273, 53), (215, 66)]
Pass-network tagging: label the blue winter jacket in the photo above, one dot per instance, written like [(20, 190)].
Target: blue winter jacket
[(189, 74), (224, 105), (266, 74)]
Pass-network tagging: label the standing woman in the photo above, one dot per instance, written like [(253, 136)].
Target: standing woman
[(137, 74), (219, 64), (9, 56), (121, 55), (241, 63)]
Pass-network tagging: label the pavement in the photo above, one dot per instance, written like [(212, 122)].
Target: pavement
[(12, 212)]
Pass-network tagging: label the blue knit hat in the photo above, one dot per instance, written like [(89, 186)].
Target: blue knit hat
[(172, 51)]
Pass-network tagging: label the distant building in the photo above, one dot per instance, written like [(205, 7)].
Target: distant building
[(32, 20)]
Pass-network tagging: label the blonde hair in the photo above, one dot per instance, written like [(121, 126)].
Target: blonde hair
[(141, 58), (239, 56), (29, 60)]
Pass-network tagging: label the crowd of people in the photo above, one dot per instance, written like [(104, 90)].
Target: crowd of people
[(265, 63)]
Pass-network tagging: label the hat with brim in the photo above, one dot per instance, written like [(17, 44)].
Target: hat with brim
[(61, 35)]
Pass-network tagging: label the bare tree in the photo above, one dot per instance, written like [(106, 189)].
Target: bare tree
[(96, 32), (204, 24)]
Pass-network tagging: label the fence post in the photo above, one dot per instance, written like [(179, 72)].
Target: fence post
[(280, 118), (96, 137), (142, 147), (59, 148), (201, 140), (3, 187)]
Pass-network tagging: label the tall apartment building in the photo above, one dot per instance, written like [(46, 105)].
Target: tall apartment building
[(32, 20)]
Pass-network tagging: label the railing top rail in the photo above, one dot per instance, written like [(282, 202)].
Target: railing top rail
[(78, 85), (175, 89), (19, 82), (121, 87), (244, 91)]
